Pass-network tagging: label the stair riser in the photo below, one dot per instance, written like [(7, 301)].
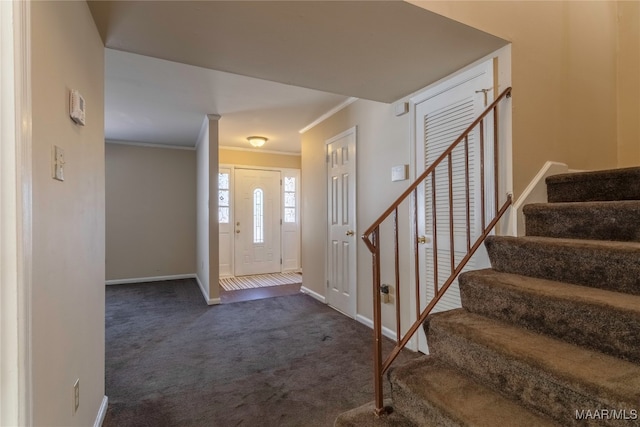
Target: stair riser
[(623, 184), (420, 412), (598, 327), (619, 222), (539, 390), (432, 394), (617, 270)]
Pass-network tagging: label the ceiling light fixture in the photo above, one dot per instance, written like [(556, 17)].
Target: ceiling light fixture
[(257, 141)]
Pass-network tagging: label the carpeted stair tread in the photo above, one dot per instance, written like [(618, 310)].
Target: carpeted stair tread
[(546, 374), (610, 220), (431, 393), (595, 318), (615, 184), (364, 416), (596, 263)]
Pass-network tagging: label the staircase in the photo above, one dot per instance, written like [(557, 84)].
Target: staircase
[(550, 336)]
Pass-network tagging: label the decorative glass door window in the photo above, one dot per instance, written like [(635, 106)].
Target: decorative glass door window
[(290, 199), (223, 198), (258, 216)]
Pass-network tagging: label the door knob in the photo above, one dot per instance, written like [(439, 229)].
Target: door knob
[(350, 233), (237, 231), (423, 240)]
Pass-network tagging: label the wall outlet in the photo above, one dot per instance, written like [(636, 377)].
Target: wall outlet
[(385, 291), (76, 395)]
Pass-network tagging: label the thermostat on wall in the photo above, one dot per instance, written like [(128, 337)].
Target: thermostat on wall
[(76, 107)]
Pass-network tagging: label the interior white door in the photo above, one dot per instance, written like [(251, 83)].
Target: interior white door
[(257, 222), (341, 192), (440, 118)]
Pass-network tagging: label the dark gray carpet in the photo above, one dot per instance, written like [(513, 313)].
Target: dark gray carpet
[(173, 361)]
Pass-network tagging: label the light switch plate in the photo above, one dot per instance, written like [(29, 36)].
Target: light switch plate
[(58, 163), (399, 173)]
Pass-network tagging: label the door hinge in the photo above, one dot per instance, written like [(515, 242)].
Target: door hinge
[(280, 261), (327, 283), (280, 221), (327, 158)]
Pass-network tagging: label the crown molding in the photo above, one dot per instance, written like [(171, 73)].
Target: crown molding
[(328, 114), (149, 145)]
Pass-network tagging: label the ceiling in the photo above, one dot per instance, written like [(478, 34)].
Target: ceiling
[(376, 50), (156, 101)]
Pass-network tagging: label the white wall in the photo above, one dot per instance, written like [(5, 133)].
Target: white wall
[(68, 301)]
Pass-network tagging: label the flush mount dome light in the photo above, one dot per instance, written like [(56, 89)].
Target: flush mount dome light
[(257, 141)]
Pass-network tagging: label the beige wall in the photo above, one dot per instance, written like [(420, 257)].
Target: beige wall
[(150, 212), (383, 141), (256, 158), (202, 221), (563, 74), (207, 246), (67, 305), (629, 83)]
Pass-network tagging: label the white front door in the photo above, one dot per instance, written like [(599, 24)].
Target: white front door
[(257, 222), (440, 118), (341, 193)]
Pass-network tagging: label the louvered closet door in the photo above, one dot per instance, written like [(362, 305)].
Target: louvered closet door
[(439, 121)]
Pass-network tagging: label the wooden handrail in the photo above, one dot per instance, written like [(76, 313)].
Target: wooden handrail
[(371, 238)]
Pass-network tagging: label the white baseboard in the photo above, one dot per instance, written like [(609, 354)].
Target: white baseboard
[(150, 279), (368, 322), (205, 294), (101, 412), (313, 294)]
